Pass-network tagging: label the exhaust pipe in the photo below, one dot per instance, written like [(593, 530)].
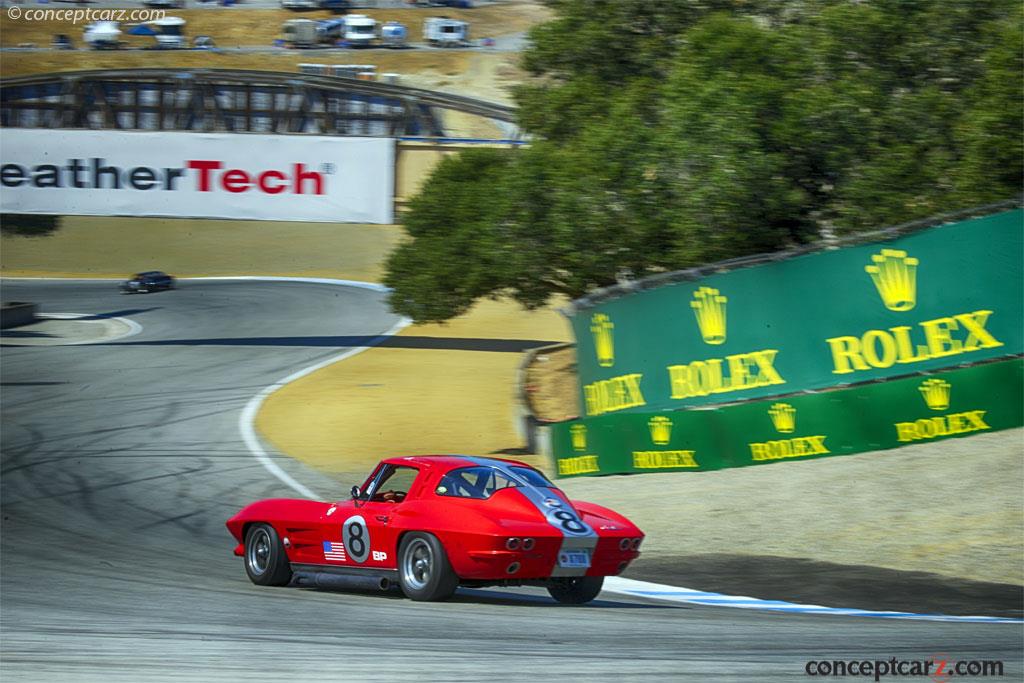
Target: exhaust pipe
[(343, 581)]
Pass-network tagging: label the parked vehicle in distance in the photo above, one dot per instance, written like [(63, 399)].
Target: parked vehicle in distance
[(360, 30), (169, 32), (446, 32), (336, 6), (461, 4), (170, 4), (433, 523), (394, 34), (300, 4), (300, 33), (150, 281), (102, 35)]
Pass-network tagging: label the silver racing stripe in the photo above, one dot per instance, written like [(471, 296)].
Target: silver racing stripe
[(576, 534)]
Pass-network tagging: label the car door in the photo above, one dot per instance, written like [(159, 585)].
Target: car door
[(361, 533)]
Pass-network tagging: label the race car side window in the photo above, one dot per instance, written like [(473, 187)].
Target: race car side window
[(393, 483), (473, 482)]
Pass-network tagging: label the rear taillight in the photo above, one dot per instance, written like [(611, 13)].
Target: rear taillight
[(512, 544)]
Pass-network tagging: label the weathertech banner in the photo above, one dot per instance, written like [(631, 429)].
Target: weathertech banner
[(198, 175)]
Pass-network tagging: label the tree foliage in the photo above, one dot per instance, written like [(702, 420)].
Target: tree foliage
[(667, 134)]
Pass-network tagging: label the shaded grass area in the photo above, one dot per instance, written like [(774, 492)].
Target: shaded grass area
[(91, 246)]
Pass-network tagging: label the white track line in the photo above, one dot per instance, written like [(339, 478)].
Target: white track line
[(246, 421), (612, 584), (657, 591)]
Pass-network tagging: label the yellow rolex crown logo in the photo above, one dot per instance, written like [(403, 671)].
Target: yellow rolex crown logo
[(661, 430), (604, 343), (709, 307), (783, 417), (578, 434), (895, 276), (936, 393)]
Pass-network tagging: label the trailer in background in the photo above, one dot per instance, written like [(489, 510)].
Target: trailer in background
[(394, 34), (300, 33), (360, 30), (446, 32)]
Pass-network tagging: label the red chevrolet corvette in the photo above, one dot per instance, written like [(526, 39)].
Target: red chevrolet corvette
[(433, 523)]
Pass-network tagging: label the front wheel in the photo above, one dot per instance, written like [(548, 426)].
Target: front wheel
[(575, 590), (424, 572), (265, 559)]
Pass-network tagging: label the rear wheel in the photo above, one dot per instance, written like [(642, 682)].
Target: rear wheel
[(424, 572), (265, 559), (575, 590)]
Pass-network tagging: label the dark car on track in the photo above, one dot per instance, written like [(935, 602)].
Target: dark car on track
[(151, 281)]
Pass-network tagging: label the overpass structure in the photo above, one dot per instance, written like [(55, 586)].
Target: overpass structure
[(227, 100)]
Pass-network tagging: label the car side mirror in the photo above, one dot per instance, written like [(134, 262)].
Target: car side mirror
[(355, 493)]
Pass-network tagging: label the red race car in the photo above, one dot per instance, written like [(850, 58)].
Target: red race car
[(433, 523)]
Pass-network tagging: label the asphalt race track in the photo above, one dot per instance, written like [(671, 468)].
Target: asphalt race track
[(121, 461)]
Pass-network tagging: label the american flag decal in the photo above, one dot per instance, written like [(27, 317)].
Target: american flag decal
[(334, 551)]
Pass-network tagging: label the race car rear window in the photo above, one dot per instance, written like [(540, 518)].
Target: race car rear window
[(473, 482), (533, 477)]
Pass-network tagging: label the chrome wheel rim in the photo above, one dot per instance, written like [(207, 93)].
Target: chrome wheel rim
[(258, 553), (417, 564)]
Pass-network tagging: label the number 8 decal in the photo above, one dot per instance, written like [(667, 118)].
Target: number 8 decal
[(356, 537), (569, 522)]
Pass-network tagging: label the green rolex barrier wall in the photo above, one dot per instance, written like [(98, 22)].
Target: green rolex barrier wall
[(938, 298), (875, 416)]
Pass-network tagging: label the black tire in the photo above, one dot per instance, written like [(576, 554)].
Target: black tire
[(575, 590), (265, 559), (424, 572)]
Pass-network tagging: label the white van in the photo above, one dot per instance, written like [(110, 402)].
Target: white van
[(360, 30)]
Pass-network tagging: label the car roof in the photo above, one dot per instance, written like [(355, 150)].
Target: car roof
[(445, 463)]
